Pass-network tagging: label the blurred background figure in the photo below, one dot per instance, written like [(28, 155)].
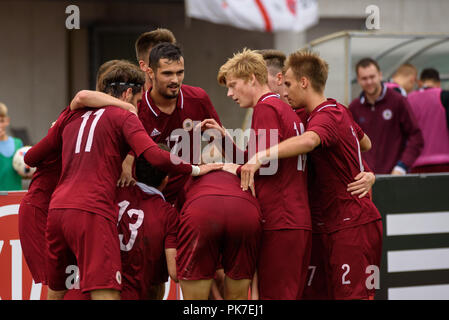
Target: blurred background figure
[(9, 178), (404, 79), (385, 116), (430, 104)]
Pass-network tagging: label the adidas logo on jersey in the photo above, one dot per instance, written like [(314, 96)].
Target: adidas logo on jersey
[(155, 132)]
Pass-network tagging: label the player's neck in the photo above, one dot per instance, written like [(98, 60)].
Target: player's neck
[(314, 101), (148, 84), (165, 105), (260, 91)]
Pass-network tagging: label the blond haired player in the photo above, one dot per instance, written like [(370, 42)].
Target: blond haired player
[(283, 193), (349, 219)]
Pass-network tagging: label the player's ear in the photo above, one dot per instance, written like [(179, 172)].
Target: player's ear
[(150, 72), (304, 82), (143, 66), (279, 79), (127, 95), (253, 79)]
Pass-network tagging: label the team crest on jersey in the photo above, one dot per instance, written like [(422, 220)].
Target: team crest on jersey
[(387, 114), (187, 124)]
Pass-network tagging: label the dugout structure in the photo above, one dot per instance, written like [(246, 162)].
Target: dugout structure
[(342, 50)]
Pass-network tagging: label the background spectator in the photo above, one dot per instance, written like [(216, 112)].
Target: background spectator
[(385, 116), (430, 105), (9, 178), (404, 79)]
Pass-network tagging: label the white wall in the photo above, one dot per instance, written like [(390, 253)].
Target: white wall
[(32, 63)]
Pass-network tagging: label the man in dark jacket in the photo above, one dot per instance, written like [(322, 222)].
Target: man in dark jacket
[(386, 117)]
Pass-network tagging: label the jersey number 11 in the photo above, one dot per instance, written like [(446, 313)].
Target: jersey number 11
[(90, 137)]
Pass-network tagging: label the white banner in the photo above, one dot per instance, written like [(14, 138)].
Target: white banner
[(262, 15)]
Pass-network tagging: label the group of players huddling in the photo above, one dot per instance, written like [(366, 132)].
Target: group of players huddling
[(109, 198)]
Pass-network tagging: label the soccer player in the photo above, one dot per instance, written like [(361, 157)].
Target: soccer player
[(351, 221), (430, 106), (219, 224), (385, 116), (282, 194), (33, 208), (148, 227), (82, 210), (169, 108), (275, 60), (147, 41)]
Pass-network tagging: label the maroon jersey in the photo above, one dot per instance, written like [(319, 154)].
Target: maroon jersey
[(215, 183), (336, 162), (193, 105), (147, 226), (392, 128), (46, 177), (94, 144), (282, 195), (302, 114)]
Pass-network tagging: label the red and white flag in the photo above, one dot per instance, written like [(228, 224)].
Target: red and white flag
[(262, 15)]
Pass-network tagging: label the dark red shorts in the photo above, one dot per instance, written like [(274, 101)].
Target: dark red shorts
[(32, 225), (211, 226), (354, 256), (283, 263), (87, 240), (317, 287)]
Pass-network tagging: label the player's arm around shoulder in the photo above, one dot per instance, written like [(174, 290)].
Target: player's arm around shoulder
[(96, 99), (290, 147), (297, 145)]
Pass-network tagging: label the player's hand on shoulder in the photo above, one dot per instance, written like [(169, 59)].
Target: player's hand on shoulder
[(231, 168), (247, 173), (208, 167), (362, 184), (126, 179)]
